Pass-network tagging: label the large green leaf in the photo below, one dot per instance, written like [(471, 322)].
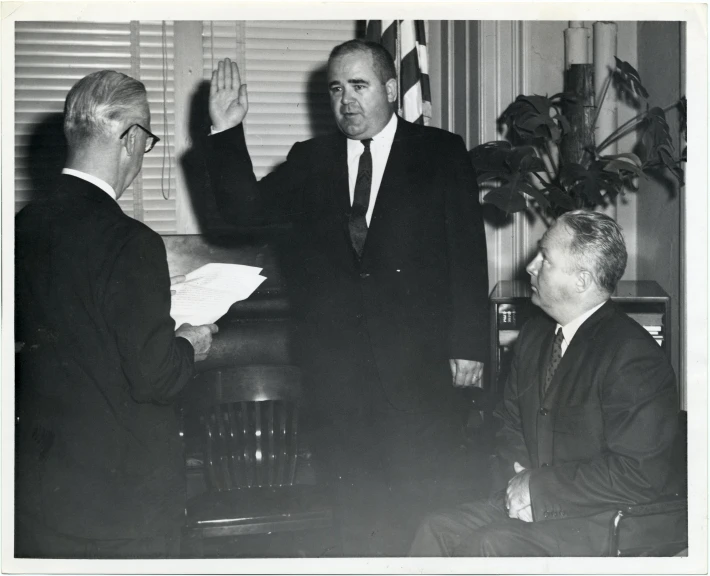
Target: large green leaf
[(666, 156), (506, 198), (621, 166), (683, 110), (491, 157), (628, 80), (624, 155), (591, 183), (656, 132), (533, 192), (559, 197), (512, 168), (541, 104), (533, 117)]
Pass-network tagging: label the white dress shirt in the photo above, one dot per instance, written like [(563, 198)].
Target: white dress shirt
[(105, 186), (380, 149), (570, 329)]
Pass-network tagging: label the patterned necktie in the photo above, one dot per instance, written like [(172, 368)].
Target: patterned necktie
[(361, 200), (555, 357)]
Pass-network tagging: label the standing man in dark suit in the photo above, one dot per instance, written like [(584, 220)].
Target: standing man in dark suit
[(99, 466), (588, 414), (388, 268)]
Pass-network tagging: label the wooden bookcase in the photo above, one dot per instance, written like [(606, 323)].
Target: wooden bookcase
[(510, 307)]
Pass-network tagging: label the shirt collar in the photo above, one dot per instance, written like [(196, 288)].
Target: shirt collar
[(105, 186), (570, 329), (384, 137)]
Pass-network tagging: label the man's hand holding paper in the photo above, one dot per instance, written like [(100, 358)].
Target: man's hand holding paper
[(207, 293)]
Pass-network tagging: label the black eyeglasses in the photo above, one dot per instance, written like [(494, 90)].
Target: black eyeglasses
[(150, 141)]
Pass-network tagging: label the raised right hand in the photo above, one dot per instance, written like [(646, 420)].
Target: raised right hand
[(228, 96), (199, 336)]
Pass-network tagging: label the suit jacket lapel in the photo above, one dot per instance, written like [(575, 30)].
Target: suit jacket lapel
[(393, 181), (339, 175), (339, 186), (574, 351)]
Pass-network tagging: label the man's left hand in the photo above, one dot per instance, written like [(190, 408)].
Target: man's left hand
[(466, 373), (517, 495), (174, 280)]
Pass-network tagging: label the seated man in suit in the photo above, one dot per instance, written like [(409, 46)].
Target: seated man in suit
[(99, 466), (588, 414)]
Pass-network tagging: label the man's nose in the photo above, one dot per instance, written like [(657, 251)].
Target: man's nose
[(534, 265), (346, 96)]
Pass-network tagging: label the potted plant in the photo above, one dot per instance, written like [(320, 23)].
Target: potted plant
[(531, 165)]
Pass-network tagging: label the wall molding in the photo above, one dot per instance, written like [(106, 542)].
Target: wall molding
[(503, 70)]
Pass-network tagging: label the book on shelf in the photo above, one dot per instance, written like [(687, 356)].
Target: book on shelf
[(647, 318), (507, 317), (507, 337)]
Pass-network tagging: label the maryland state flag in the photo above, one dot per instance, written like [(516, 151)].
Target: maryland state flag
[(406, 41)]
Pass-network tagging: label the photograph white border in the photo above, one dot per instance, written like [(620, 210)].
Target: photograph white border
[(695, 259)]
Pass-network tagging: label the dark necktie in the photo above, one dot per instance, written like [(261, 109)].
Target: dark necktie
[(555, 357), (361, 200)]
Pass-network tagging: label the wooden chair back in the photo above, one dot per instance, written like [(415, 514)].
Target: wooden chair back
[(249, 419)]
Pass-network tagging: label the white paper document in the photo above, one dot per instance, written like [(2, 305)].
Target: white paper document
[(208, 292)]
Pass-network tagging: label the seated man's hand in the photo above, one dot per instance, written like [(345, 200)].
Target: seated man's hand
[(525, 514), (466, 373), (199, 336), (517, 495)]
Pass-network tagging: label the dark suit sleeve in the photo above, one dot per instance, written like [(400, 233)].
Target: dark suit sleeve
[(157, 364), (241, 198), (510, 441), (639, 407), (468, 262)]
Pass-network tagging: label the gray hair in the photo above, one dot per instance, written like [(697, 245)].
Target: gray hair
[(597, 246), (99, 99), (383, 63)]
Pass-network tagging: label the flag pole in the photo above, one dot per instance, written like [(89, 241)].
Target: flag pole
[(398, 60)]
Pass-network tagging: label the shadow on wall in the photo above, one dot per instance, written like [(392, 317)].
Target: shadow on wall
[(193, 161), (44, 158), (320, 114)]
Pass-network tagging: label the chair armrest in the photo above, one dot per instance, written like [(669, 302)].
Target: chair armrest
[(665, 505)]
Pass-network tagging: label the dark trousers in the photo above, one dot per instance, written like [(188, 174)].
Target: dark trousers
[(483, 528), (386, 465), (387, 473), (34, 540)]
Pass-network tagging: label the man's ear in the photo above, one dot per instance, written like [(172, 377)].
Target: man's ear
[(129, 141), (391, 88), (585, 281)]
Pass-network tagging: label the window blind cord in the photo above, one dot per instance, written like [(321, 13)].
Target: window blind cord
[(212, 43), (166, 133)]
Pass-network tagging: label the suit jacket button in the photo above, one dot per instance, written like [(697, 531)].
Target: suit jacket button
[(364, 274), (544, 412)]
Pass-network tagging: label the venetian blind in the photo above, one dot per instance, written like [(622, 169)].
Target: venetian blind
[(50, 57), (284, 67)]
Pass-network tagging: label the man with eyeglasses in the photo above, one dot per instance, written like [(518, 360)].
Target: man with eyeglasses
[(99, 465)]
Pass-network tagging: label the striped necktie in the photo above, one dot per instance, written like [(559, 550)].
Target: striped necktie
[(555, 357)]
